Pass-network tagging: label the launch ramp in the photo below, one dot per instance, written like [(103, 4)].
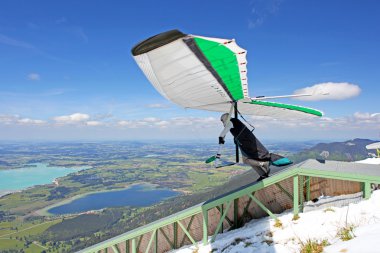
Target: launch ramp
[(287, 189)]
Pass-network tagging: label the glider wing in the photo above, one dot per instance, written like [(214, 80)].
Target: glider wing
[(205, 73)]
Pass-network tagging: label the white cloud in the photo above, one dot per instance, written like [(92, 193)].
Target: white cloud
[(162, 124), (73, 118), (358, 120), (102, 116), (209, 120), (124, 123), (194, 120), (94, 123), (151, 119), (336, 91), (367, 116), (182, 121), (359, 124), (172, 123), (28, 121), (16, 119), (135, 123), (159, 106), (33, 77), (8, 119)]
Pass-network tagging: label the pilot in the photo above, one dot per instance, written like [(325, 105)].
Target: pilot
[(253, 151)]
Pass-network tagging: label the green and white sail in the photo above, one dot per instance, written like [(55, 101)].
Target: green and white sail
[(205, 73)]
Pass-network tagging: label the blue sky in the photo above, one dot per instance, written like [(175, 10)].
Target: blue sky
[(67, 71)]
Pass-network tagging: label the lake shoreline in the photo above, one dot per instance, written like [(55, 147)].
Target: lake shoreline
[(11, 174), (4, 193), (45, 211)]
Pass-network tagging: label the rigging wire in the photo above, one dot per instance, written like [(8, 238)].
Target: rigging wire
[(253, 128)]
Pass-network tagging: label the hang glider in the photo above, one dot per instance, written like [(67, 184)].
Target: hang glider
[(206, 73)]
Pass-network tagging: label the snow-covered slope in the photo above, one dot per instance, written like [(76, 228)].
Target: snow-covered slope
[(324, 224), (372, 160)]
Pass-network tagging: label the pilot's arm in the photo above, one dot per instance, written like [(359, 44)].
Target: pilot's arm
[(226, 129)]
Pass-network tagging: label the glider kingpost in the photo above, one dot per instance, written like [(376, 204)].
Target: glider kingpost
[(208, 74)]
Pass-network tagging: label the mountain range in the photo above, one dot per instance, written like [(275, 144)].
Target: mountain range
[(351, 150)]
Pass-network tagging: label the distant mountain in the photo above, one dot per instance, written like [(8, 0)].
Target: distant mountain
[(351, 150)]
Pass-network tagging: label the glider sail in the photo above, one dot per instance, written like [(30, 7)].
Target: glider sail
[(205, 73)]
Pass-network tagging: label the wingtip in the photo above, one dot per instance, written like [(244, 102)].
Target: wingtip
[(156, 41)]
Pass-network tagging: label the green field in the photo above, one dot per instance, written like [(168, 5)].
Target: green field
[(114, 166), (23, 235)]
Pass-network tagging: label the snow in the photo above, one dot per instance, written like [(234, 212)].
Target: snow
[(372, 160), (262, 236), (366, 240), (338, 201)]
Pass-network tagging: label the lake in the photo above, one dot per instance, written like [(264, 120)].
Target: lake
[(135, 196), (32, 174)]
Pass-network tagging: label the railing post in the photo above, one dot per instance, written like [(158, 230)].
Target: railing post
[(367, 190), (156, 241), (127, 246), (221, 215), (139, 243), (301, 197), (308, 179), (236, 213), (175, 228), (205, 226), (295, 195), (133, 245)]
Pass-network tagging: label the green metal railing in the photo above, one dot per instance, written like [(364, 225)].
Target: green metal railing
[(300, 176)]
